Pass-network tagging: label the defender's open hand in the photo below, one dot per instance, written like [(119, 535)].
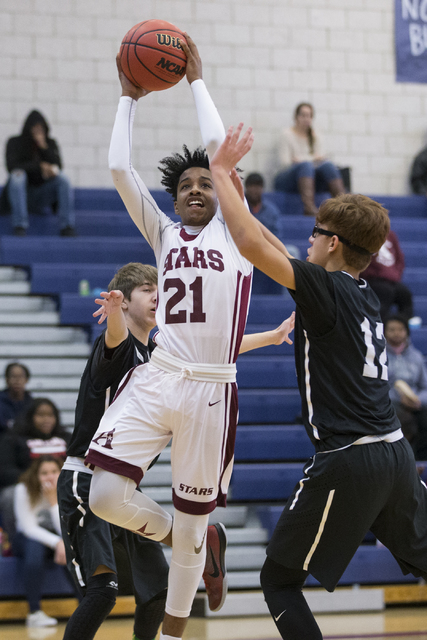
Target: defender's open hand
[(111, 303), (285, 329), (233, 149)]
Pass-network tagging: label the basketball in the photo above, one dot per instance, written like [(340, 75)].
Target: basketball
[(151, 56)]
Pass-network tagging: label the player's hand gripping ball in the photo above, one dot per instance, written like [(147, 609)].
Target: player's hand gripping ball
[(151, 56)]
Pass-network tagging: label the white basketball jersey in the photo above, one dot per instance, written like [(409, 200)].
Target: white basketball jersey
[(204, 283), (203, 293)]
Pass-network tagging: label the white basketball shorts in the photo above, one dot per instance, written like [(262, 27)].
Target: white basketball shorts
[(151, 407)]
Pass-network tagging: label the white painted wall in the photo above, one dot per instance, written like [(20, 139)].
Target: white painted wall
[(261, 57)]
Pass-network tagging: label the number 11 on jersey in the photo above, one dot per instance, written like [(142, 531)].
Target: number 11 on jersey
[(370, 369)]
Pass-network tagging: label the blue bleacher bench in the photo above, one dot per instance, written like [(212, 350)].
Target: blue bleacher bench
[(272, 406), (56, 278), (371, 565), (272, 442), (55, 582), (25, 251), (265, 481), (272, 372), (109, 200)]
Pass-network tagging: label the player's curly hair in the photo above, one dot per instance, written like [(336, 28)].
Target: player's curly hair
[(174, 166)]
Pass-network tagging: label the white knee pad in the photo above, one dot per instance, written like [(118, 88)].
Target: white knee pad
[(188, 561), (189, 538), (114, 498)]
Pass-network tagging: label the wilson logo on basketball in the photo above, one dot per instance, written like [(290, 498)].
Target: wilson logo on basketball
[(170, 66), (168, 41)]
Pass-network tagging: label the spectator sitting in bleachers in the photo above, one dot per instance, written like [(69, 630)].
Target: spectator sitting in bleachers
[(36, 181), (38, 531), (408, 383), (14, 458), (263, 210), (304, 168), (40, 426), (14, 399), (418, 177), (384, 275)]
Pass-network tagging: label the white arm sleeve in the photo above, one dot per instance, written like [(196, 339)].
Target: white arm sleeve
[(26, 519), (210, 123), (141, 206), (211, 126)]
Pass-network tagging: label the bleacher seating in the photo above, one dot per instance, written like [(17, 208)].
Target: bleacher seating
[(55, 581), (268, 442), (257, 482), (371, 565), (29, 250), (271, 446), (54, 278)]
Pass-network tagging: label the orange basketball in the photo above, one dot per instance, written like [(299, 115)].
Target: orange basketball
[(151, 55)]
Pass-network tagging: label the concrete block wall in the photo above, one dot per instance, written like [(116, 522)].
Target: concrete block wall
[(261, 57)]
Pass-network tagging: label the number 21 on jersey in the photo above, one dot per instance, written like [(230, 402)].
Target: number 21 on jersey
[(180, 317), (370, 369)]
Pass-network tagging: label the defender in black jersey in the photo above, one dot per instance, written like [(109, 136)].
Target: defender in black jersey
[(106, 560), (363, 475)]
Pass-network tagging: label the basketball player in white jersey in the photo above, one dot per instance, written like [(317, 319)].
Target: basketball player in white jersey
[(187, 391)]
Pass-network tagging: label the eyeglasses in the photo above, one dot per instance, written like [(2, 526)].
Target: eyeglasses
[(325, 232)]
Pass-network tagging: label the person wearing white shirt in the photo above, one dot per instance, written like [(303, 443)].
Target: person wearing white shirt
[(304, 167), (38, 531)]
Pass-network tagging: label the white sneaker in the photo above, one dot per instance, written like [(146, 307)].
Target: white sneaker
[(41, 633), (40, 619)]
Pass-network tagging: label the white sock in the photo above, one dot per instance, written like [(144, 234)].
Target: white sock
[(163, 637)]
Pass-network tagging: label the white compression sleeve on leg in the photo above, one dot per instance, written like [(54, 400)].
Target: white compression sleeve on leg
[(188, 561), (114, 498)]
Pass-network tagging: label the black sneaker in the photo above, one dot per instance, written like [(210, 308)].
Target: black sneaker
[(215, 573), (19, 231), (69, 232)]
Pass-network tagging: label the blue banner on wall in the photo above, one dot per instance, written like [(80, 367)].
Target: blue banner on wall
[(411, 40)]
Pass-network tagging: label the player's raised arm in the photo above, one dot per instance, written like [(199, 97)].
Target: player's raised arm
[(139, 203), (270, 258), (277, 336), (111, 308), (211, 126)]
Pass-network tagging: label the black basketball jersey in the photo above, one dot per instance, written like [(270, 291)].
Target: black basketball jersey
[(340, 358), (104, 371)]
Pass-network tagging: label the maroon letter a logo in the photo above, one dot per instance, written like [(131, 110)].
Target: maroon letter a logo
[(108, 435)]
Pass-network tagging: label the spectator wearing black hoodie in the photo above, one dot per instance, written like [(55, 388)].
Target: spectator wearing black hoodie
[(418, 175), (36, 180), (14, 399)]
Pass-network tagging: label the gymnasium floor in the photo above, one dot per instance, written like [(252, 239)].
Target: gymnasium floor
[(396, 623)]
